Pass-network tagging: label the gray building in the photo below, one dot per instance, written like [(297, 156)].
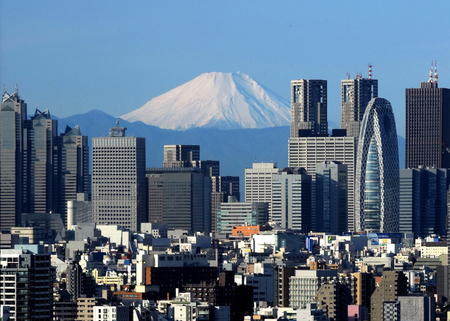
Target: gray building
[(291, 199), (427, 126), (221, 188), (41, 164), (180, 197), (331, 197), (417, 308), (235, 213), (307, 152), (74, 167), (377, 170), (309, 108), (118, 180), (355, 95), (13, 114), (423, 201)]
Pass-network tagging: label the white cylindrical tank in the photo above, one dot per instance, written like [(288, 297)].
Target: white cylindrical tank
[(70, 214)]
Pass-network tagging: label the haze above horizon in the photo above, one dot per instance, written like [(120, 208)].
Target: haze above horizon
[(72, 57)]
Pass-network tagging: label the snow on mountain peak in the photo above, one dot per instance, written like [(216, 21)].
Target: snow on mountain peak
[(215, 99)]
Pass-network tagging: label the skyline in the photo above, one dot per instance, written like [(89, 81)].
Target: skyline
[(115, 57)]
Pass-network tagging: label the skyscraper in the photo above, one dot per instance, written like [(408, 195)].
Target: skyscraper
[(377, 170), (180, 197), (258, 184), (331, 197), (308, 108), (41, 164), (180, 155), (427, 125), (13, 115), (423, 200), (355, 95), (118, 179), (291, 199), (74, 167), (307, 152)]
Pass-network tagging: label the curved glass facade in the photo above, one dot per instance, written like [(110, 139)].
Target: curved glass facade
[(377, 170), (372, 193)]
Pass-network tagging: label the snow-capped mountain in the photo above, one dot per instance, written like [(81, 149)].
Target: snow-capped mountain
[(219, 100)]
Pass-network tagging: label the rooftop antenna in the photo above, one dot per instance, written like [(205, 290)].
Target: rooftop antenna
[(435, 72), (4, 88), (348, 75), (430, 76), (16, 90), (370, 70)]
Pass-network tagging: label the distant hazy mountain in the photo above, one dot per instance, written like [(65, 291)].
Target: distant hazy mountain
[(215, 100), (235, 149)]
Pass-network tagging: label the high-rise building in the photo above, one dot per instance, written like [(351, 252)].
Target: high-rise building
[(309, 108), (377, 170), (234, 213), (258, 184), (118, 180), (73, 168), (180, 197), (331, 197), (427, 126), (291, 199), (355, 95), (13, 114), (41, 169), (180, 155), (221, 188), (423, 201), (307, 152), (26, 283)]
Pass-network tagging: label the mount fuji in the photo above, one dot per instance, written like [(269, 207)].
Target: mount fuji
[(215, 100)]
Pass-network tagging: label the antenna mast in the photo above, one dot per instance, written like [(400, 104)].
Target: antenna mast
[(370, 71)]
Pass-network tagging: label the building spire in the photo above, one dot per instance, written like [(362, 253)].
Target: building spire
[(430, 76), (435, 72)]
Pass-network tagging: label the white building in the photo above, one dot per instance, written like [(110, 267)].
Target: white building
[(258, 183), (304, 285), (111, 313)]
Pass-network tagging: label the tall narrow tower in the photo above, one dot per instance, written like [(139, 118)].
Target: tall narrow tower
[(74, 167), (13, 114), (309, 108), (377, 170), (118, 179), (355, 95), (41, 164), (427, 125)]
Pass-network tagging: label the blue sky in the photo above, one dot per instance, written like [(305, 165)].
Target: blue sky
[(75, 56)]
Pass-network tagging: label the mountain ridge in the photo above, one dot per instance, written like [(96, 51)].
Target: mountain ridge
[(221, 100)]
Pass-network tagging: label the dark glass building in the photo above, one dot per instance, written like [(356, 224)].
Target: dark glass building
[(427, 126)]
